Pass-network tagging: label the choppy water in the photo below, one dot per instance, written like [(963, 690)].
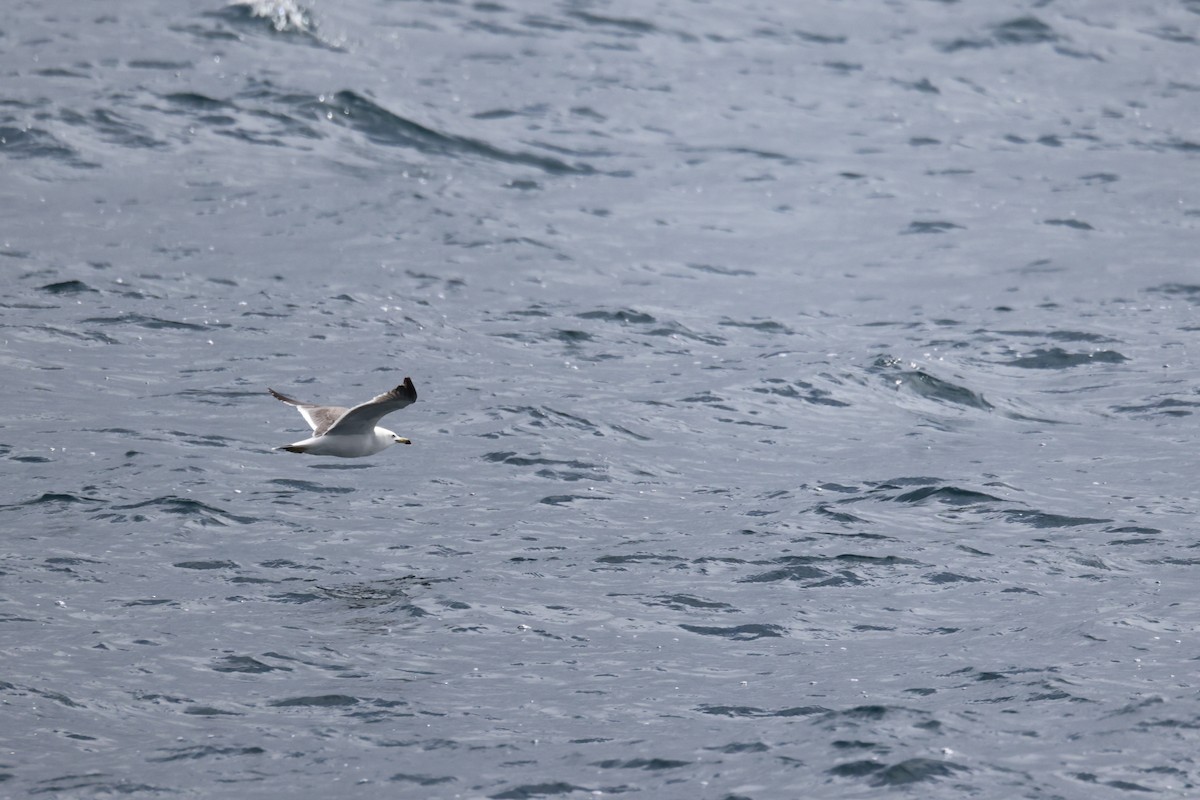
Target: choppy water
[(806, 399)]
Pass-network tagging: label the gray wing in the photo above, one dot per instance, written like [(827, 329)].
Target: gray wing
[(319, 418), (363, 417)]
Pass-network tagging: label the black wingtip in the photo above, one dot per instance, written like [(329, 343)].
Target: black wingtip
[(408, 388)]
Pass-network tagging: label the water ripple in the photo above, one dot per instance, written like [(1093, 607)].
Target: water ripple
[(382, 126)]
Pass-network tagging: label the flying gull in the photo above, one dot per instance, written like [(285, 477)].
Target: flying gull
[(350, 432)]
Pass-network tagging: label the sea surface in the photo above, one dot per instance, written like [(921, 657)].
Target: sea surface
[(808, 399)]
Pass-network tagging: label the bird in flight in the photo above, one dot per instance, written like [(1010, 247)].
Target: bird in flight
[(350, 432)]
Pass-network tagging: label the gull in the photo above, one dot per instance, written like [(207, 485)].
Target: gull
[(350, 432)]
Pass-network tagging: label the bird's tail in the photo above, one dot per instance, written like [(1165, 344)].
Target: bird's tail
[(292, 448)]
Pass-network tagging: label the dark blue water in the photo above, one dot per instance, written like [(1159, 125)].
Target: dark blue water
[(807, 399)]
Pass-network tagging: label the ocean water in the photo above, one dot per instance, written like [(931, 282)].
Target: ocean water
[(807, 399)]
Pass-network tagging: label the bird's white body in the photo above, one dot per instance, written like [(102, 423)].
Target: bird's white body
[(347, 445), (350, 432)]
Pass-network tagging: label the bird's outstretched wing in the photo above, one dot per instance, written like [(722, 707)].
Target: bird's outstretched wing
[(364, 416), (319, 418)]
